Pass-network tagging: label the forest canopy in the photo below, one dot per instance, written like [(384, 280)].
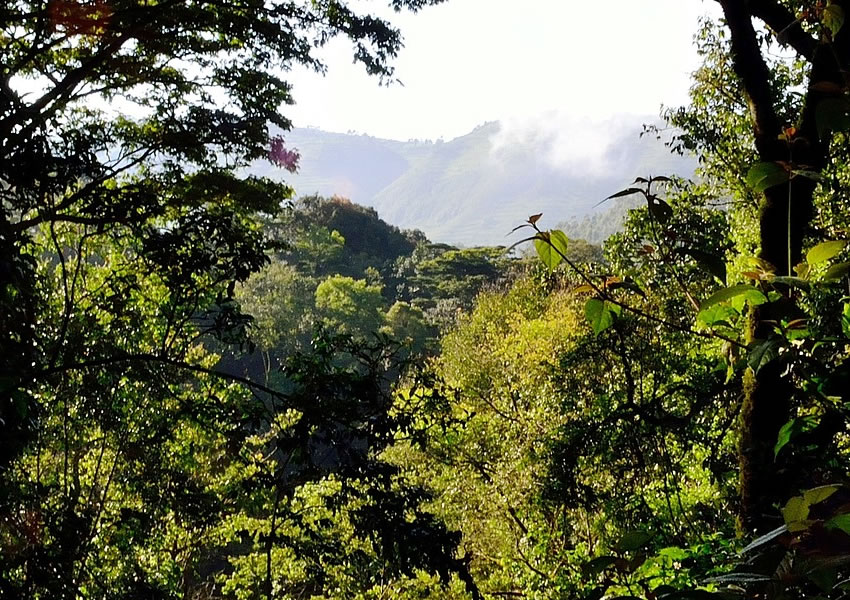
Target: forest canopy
[(211, 389)]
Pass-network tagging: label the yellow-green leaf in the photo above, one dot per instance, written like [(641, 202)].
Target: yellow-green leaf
[(752, 293), (819, 494), (795, 510), (833, 17), (551, 246), (797, 526), (824, 251)]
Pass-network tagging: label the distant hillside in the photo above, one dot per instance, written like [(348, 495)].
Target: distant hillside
[(473, 189)]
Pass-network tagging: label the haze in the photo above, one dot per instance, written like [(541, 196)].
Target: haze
[(529, 65)]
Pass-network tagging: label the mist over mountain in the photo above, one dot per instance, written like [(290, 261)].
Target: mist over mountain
[(474, 189)]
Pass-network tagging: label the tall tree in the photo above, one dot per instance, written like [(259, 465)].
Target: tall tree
[(788, 145)]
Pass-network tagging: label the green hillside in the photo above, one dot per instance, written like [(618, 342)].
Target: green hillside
[(470, 190)]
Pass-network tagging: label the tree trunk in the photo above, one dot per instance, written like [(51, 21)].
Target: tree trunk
[(784, 218)]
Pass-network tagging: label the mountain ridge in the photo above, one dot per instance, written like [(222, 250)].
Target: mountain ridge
[(475, 188)]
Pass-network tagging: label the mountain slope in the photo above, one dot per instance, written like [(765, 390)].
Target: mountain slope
[(475, 188)]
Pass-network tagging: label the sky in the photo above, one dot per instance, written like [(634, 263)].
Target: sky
[(569, 64)]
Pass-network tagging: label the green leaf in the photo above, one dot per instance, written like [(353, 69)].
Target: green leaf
[(832, 114), (837, 271), (674, 553), (765, 175), (600, 314), (824, 251), (559, 240), (719, 314), (814, 175), (825, 579), (795, 510), (819, 494), (739, 578), (797, 282), (841, 522), (598, 564), (763, 353), (792, 429), (725, 294), (550, 246), (625, 192), (833, 17), (753, 298), (633, 540)]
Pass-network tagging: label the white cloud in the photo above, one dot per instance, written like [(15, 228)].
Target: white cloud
[(570, 143)]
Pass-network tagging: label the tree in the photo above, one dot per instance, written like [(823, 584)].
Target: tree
[(407, 324), (777, 157), (124, 229), (350, 305), (792, 143)]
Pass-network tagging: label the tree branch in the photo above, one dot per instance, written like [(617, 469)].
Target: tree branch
[(754, 74), (153, 358), (786, 27)]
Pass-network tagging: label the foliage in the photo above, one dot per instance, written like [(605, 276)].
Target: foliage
[(350, 305), (134, 463), (407, 324), (500, 360), (775, 325), (280, 300)]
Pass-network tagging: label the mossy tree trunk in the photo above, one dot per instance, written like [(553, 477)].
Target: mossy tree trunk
[(785, 215)]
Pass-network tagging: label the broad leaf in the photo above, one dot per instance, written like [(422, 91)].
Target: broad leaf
[(819, 494), (551, 246), (824, 251), (762, 353), (831, 115), (559, 240), (792, 429), (712, 263), (765, 175), (833, 18), (633, 540), (841, 522), (719, 314), (795, 510), (599, 314), (660, 210), (837, 271), (725, 294), (797, 282), (598, 564)]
